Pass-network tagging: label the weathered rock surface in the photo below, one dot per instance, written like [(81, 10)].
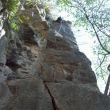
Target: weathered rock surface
[(29, 94), (69, 96), (43, 69)]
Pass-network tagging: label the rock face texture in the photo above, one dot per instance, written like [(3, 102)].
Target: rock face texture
[(41, 68)]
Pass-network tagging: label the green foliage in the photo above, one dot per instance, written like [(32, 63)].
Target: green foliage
[(63, 2), (89, 2), (12, 5), (28, 4), (24, 18), (81, 20), (13, 21), (14, 26)]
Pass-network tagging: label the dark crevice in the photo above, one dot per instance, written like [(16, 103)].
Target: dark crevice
[(52, 98)]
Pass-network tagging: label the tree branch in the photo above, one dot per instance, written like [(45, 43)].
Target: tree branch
[(101, 30), (95, 32), (101, 62)]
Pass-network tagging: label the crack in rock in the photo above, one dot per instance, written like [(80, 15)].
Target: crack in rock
[(52, 98)]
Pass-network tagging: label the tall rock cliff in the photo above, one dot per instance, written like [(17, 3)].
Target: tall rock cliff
[(41, 68)]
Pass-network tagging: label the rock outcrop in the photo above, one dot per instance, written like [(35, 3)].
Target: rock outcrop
[(41, 68)]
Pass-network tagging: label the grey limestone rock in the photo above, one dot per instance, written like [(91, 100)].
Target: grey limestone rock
[(57, 77), (68, 96), (3, 46), (30, 95), (64, 28)]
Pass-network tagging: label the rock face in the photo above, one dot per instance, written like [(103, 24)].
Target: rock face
[(69, 96), (41, 68)]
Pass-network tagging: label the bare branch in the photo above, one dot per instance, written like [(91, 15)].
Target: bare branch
[(101, 62), (95, 32), (102, 31)]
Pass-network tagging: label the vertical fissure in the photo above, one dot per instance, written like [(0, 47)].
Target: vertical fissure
[(52, 98)]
